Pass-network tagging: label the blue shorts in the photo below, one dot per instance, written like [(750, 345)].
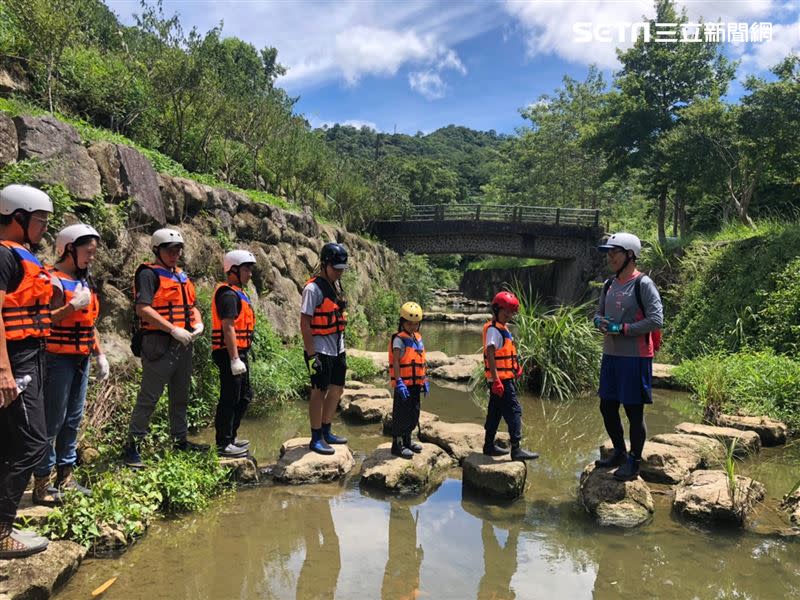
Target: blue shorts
[(626, 379)]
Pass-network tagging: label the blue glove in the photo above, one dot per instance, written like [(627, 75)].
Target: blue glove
[(614, 328), (426, 387), (598, 321), (402, 389)]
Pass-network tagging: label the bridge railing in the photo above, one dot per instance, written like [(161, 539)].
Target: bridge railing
[(499, 212)]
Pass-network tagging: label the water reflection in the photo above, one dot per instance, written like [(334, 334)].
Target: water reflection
[(322, 563), (499, 563), (401, 576)]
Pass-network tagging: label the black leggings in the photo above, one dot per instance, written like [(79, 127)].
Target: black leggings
[(610, 411)]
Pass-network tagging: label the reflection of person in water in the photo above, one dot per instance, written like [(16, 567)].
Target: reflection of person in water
[(401, 577), (499, 564), (320, 570)]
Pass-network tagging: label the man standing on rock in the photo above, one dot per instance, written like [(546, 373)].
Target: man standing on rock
[(169, 322), (25, 292), (323, 319), (630, 316), (232, 323)]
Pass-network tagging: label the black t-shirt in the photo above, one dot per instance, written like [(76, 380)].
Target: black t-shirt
[(227, 302), (146, 286), (10, 270)]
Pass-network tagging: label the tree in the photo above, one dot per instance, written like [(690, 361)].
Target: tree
[(657, 81)]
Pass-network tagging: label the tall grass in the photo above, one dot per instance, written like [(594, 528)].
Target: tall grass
[(559, 347)]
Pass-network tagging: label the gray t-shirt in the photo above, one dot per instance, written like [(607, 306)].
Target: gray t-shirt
[(619, 305), (330, 345)]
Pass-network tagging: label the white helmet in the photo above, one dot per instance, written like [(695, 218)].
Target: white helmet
[(234, 258), (69, 234), (626, 241), (166, 236), (23, 197)]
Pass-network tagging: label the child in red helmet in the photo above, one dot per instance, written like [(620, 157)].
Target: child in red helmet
[(502, 369)]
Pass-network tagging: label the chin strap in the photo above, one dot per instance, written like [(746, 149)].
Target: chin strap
[(628, 260)]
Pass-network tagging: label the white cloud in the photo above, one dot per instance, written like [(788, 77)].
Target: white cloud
[(549, 24), (765, 55), (428, 83), (357, 123)]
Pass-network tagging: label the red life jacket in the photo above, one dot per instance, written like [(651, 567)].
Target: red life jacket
[(26, 310), (505, 358), (329, 317), (413, 364), (244, 323), (174, 298), (74, 334)]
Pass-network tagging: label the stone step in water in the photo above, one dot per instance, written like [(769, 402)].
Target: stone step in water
[(367, 392), (747, 442), (707, 496), (459, 440), (40, 575), (368, 409), (382, 470), (771, 431), (298, 464), (614, 503), (711, 451), (662, 463), (495, 476)]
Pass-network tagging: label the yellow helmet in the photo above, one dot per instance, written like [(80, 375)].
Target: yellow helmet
[(411, 311)]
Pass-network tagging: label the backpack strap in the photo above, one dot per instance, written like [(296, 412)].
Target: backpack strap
[(637, 288)]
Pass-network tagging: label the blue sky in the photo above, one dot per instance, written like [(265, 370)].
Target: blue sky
[(420, 65)]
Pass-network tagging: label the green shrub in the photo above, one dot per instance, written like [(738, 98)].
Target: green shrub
[(754, 383), (778, 325), (559, 348), (360, 368), (382, 309), (417, 280)]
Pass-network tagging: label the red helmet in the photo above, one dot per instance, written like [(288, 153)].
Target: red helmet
[(506, 300)]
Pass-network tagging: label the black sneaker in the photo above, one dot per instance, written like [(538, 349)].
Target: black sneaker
[(131, 457), (411, 445), (518, 453), (629, 471), (185, 445), (399, 450), (617, 459)]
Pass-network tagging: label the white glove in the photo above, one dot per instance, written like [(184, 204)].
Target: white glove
[(238, 367), (198, 330), (81, 297), (183, 336), (103, 368)]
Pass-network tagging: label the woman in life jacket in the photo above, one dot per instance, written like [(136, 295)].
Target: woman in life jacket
[(73, 339), (408, 376)]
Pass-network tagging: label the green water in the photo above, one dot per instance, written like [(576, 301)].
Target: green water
[(337, 541), (450, 338)]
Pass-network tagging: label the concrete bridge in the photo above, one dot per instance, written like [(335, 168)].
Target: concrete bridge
[(568, 236)]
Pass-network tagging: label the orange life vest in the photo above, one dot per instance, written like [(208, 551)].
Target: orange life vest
[(413, 365), (174, 299), (74, 334), (244, 323), (329, 317), (26, 310), (505, 358)]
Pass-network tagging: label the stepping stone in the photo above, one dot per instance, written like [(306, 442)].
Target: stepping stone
[(662, 463), (495, 476), (40, 575), (356, 385), (747, 442), (243, 470), (369, 392), (368, 409), (424, 417), (707, 496), (614, 503), (461, 369), (379, 359), (711, 451), (791, 504), (459, 440), (771, 431), (298, 464), (383, 470), (30, 514)]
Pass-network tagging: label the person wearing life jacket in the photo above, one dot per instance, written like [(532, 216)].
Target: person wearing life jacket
[(73, 338), (323, 319), (629, 314), (25, 292), (169, 320), (232, 323), (408, 376), (502, 369)]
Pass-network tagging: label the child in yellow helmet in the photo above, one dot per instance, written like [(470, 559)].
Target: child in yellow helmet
[(408, 375)]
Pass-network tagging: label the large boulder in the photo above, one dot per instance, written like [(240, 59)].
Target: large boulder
[(747, 442), (424, 417), (40, 575), (791, 504), (614, 503), (367, 410), (458, 439), (64, 158), (771, 431), (297, 464), (182, 197), (707, 496), (662, 463), (711, 451), (383, 470), (498, 477), (13, 79), (8, 141)]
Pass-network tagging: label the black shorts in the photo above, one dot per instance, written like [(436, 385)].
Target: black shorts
[(332, 372)]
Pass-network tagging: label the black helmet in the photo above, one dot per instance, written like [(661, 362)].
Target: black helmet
[(335, 255)]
